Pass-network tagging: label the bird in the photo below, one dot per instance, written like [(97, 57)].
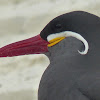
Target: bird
[(71, 42)]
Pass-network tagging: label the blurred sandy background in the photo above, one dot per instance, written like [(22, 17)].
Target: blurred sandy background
[(20, 19)]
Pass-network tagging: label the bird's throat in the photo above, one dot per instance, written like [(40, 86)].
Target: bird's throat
[(66, 48)]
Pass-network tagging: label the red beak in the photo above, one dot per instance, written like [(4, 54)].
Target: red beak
[(34, 45)]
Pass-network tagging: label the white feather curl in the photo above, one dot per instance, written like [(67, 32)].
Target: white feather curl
[(71, 34)]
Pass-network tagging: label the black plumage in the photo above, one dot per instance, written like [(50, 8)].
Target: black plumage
[(70, 75)]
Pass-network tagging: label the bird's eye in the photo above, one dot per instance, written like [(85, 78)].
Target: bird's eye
[(58, 26)]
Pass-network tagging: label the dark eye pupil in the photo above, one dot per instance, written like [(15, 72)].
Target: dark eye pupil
[(58, 26)]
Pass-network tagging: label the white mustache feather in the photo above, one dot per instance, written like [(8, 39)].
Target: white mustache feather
[(72, 34)]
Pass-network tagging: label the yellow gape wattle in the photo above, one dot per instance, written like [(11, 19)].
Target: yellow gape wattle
[(55, 41)]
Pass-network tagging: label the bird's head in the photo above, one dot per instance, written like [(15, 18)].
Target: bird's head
[(61, 27)]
